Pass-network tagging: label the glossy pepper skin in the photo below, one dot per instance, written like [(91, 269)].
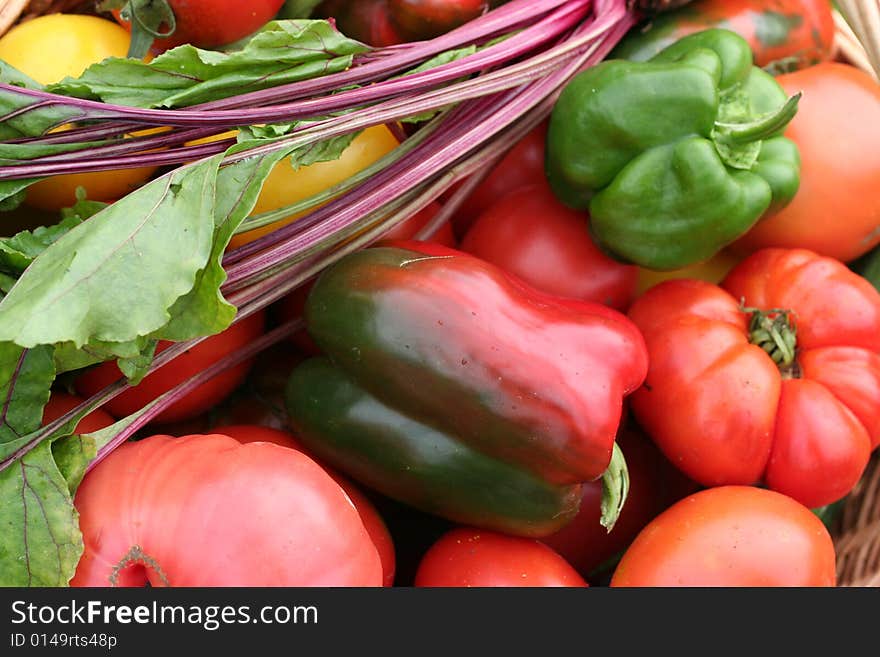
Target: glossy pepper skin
[(676, 157), (457, 389)]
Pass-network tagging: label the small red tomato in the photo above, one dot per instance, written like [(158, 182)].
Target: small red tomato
[(465, 557), (188, 364), (391, 22), (530, 234), (731, 536), (522, 165), (368, 21), (212, 23), (425, 19), (373, 522), (654, 485)]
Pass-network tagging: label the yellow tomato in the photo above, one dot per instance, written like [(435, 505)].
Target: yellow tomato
[(713, 270), (60, 191), (48, 49), (54, 46), (286, 185)]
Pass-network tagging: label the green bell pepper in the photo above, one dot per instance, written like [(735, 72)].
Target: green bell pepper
[(676, 157)]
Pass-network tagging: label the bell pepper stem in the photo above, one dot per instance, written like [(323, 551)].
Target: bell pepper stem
[(615, 488), (775, 332), (761, 128)]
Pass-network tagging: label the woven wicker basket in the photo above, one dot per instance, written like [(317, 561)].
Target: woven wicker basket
[(856, 529), (14, 11), (857, 532)]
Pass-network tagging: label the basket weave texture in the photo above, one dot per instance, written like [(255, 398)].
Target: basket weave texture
[(15, 11), (857, 529), (857, 534)]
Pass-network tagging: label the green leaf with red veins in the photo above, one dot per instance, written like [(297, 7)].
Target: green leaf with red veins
[(280, 53), (113, 278), (40, 540)]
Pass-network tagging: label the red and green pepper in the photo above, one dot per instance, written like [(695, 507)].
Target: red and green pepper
[(455, 388)]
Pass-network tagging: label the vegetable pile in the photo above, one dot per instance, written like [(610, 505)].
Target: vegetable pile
[(434, 293)]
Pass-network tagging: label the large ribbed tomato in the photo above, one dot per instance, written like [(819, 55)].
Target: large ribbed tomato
[(373, 522), (773, 377), (205, 510)]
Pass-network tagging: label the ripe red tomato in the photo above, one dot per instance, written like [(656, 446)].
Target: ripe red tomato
[(61, 402), (465, 557), (373, 522), (725, 412), (205, 510), (188, 364), (391, 22), (788, 33), (654, 485), (731, 536), (532, 235), (212, 23), (836, 211), (522, 165), (425, 19)]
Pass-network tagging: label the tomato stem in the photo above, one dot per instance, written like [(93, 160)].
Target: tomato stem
[(136, 555), (774, 331)]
